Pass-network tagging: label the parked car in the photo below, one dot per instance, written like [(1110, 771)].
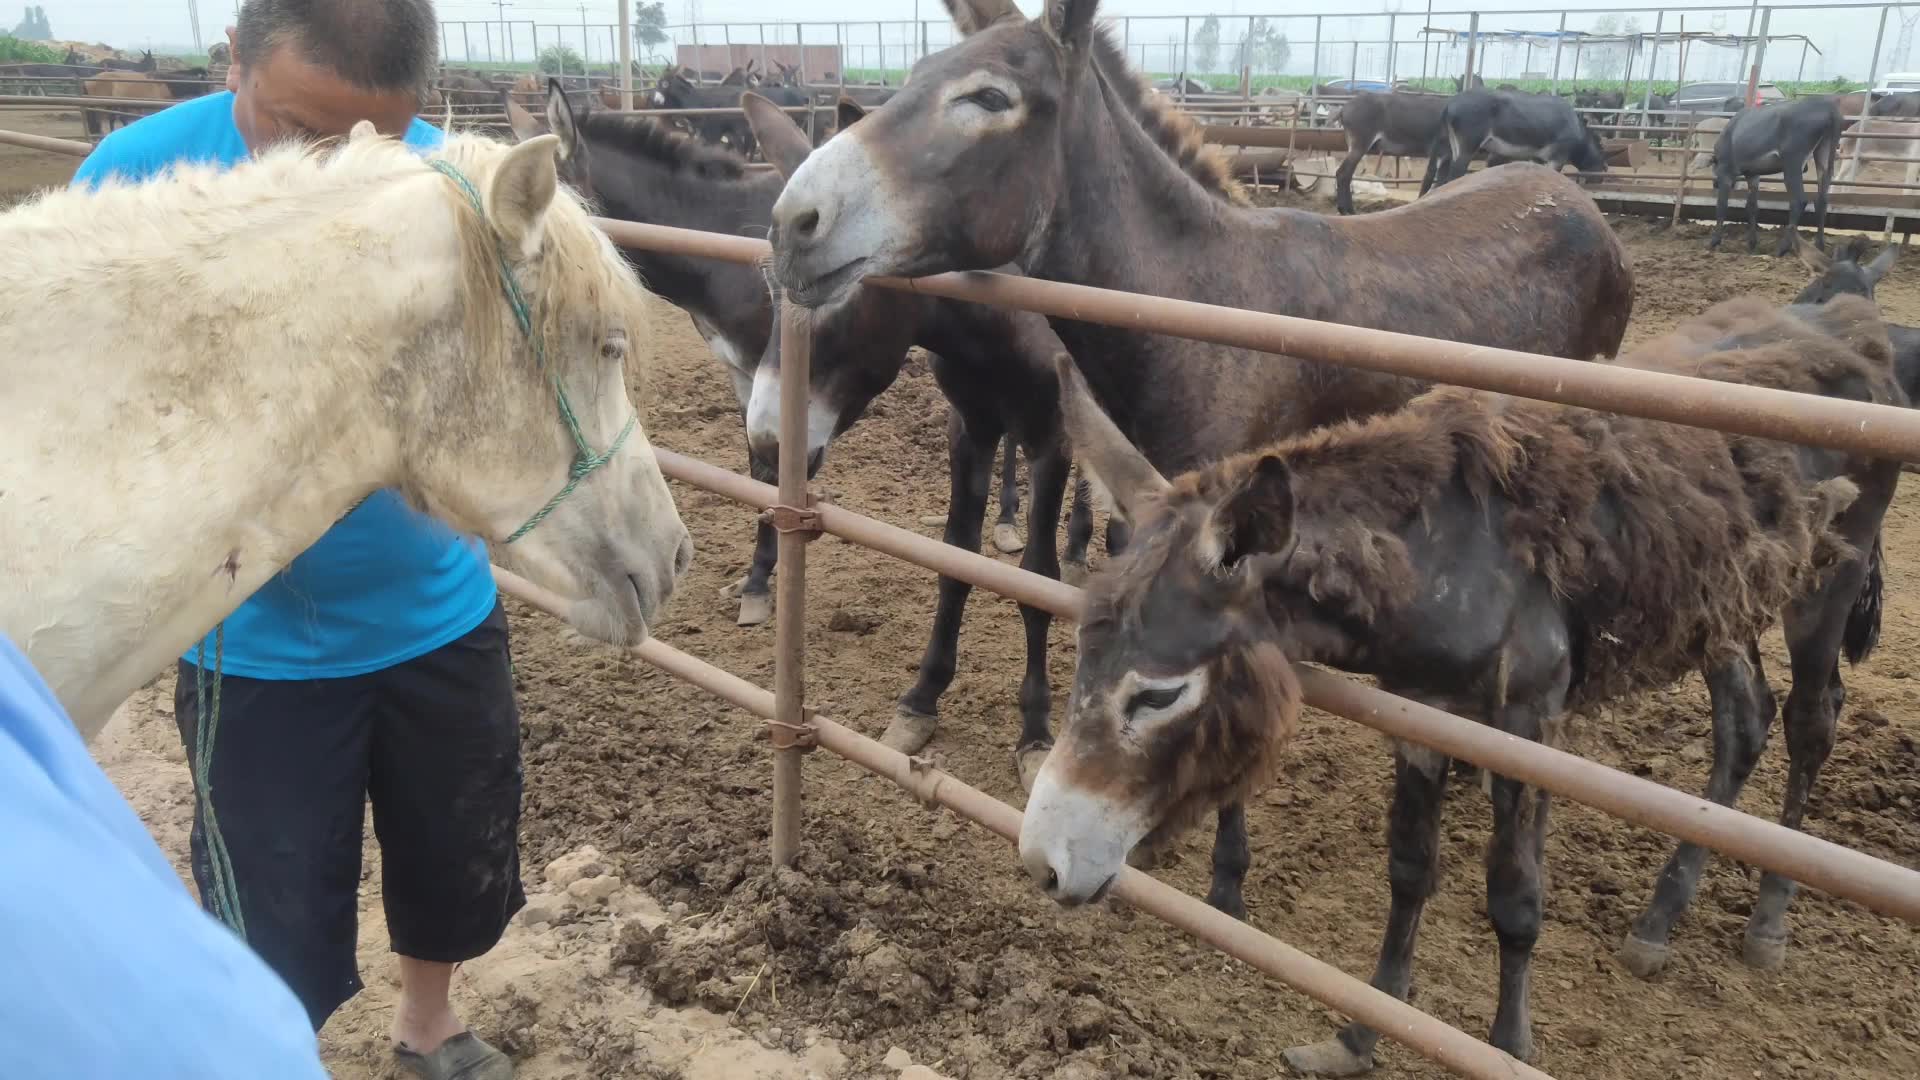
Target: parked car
[(1898, 82), (1719, 97)]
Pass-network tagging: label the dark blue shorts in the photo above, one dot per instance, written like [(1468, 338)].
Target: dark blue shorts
[(433, 742)]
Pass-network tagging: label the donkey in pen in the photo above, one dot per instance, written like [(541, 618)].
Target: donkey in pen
[(1403, 125), (1508, 559), (1775, 138), (1510, 126), (640, 170), (1108, 173)]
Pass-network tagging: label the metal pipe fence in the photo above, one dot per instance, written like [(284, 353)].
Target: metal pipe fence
[(1856, 427)]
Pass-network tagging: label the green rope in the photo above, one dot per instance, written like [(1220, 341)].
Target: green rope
[(226, 884), (587, 461)]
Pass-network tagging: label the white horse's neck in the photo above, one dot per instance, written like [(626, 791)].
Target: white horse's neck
[(233, 363)]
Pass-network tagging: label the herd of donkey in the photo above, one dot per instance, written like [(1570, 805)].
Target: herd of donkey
[(1506, 559)]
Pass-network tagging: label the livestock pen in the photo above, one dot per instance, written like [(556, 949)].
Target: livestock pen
[(1895, 433)]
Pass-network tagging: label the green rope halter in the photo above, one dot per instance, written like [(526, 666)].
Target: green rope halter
[(587, 461)]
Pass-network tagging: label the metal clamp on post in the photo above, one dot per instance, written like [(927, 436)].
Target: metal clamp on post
[(804, 520), (785, 736)]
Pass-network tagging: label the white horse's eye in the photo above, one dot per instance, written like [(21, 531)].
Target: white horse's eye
[(614, 349)]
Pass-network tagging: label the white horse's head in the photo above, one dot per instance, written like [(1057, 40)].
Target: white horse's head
[(537, 443)]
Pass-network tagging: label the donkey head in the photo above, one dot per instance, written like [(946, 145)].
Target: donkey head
[(859, 345), (958, 171), (1183, 694), (575, 161), (1843, 274)]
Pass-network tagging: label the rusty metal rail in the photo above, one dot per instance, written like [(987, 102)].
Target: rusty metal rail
[(47, 143), (1855, 427), (1317, 979), (1881, 886)]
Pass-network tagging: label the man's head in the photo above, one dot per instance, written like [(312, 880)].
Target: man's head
[(306, 68)]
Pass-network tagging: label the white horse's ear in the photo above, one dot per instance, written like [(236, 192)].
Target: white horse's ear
[(522, 191), (362, 129)]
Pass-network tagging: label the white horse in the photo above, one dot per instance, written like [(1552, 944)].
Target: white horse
[(199, 375)]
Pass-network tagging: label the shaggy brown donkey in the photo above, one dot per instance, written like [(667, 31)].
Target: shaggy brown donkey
[(1507, 559)]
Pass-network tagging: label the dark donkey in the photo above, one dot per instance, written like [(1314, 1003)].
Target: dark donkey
[(922, 186), (1506, 559), (1401, 124), (1775, 138), (995, 367), (1510, 126)]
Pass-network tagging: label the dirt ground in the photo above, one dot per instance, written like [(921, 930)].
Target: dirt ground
[(905, 929)]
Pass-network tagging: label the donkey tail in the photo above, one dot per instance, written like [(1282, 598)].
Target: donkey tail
[(1863, 620)]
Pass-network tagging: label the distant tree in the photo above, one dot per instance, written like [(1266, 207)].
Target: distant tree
[(1206, 45), (34, 26), (650, 22), (560, 59), (1264, 49), (1610, 61)]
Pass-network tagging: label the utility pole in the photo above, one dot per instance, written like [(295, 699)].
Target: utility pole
[(193, 15), (583, 45)]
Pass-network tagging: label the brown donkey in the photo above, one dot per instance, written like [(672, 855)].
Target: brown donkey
[(1507, 559), (1034, 144)]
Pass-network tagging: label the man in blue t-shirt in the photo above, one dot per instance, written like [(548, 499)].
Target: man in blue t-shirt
[(376, 665), (111, 971)]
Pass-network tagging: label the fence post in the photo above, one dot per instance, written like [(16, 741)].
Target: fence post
[(1558, 41), (1313, 87), (1473, 42), (1186, 54), (1760, 54), (626, 55), (1653, 61), (699, 62), (1866, 98), (790, 734), (1393, 48)]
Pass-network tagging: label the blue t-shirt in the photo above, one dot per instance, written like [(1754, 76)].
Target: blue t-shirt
[(384, 585), (112, 970)]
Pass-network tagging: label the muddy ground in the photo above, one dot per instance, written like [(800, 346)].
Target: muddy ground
[(905, 928)]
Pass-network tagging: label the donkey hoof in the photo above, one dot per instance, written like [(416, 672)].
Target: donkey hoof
[(1007, 539), (1329, 1058), (909, 732), (1027, 761), (1073, 572), (1763, 952), (1644, 958), (755, 608)]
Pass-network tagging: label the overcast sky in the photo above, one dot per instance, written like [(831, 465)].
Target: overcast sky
[(1842, 34)]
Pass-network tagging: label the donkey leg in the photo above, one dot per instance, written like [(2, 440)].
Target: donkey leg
[(1413, 866), (1343, 178), (1814, 628), (1119, 534), (1079, 533), (970, 472), (1743, 711), (1823, 162), (1005, 537), (1048, 474), (1796, 199), (1514, 904), (756, 589), (1753, 214), (1232, 855), (1722, 187)]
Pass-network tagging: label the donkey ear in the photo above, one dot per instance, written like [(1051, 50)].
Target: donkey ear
[(848, 112), (521, 122), (362, 129), (780, 139), (972, 16), (1127, 476), (1811, 257), (1256, 518), (1881, 263), (562, 122), (1070, 22), (521, 193)]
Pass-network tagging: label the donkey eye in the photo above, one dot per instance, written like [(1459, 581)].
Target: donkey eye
[(990, 98), (614, 349), (1162, 698)]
